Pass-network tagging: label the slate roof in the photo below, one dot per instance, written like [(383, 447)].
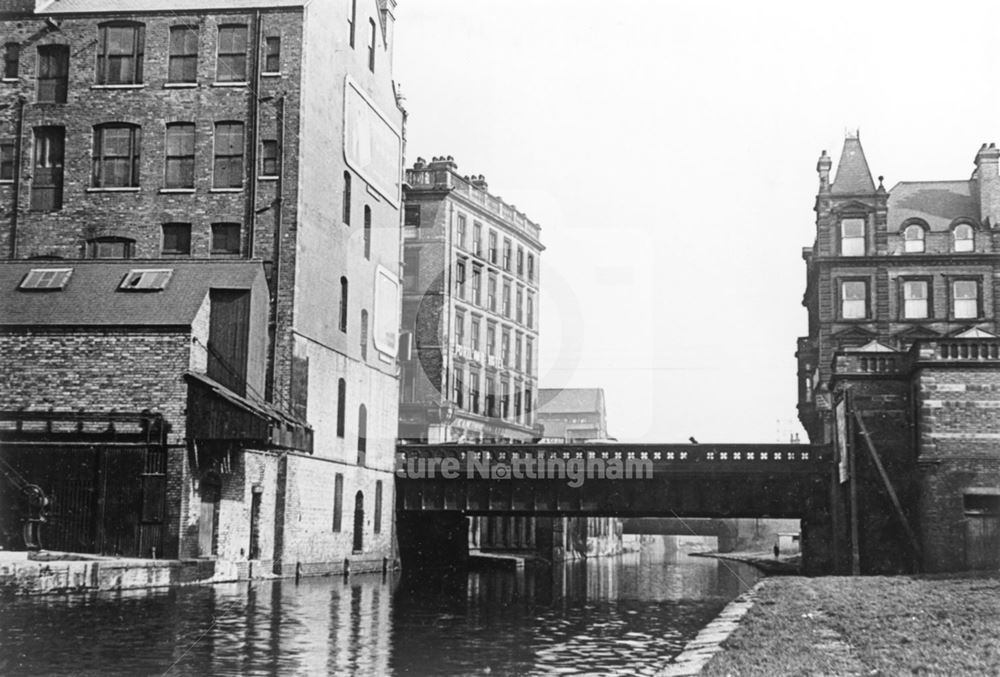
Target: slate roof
[(938, 203), (853, 175), (173, 6), (570, 400), (91, 296)]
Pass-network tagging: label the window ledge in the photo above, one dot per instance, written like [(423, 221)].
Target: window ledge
[(6, 181), (180, 85), (276, 74), (230, 84), (177, 190), (226, 190), (267, 178), (137, 86), (10, 80), (114, 189)]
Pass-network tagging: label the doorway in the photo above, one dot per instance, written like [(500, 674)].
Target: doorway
[(359, 522)]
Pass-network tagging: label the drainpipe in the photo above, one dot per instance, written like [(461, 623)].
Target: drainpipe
[(272, 367), (253, 115), (16, 193)]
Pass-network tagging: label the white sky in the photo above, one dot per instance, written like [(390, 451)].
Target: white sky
[(668, 151)]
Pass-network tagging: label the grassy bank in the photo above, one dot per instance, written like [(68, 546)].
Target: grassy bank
[(868, 625)]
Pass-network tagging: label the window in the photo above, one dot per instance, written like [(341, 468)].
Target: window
[(119, 53), (531, 310), (529, 356), (477, 238), (110, 248), (504, 399), (477, 285), (371, 46), (506, 254), (228, 169), (531, 267), (459, 328), (491, 293), (346, 199), (852, 237), (226, 239), (457, 388), (338, 500), (377, 520), (47, 169), (474, 392), (7, 164), (44, 279), (368, 232), (505, 348), (915, 299), (411, 268), (964, 238), (352, 17), (913, 239), (11, 57), (411, 217), (493, 248), (272, 54), (853, 299), (520, 261), (506, 299), (527, 406), (182, 63), (517, 402), (518, 352), (180, 155), (343, 304), (53, 72), (461, 231), (341, 405), (231, 65), (474, 331), (176, 239), (519, 313), (965, 299), (116, 155), (491, 339), (146, 280), (269, 158), (491, 397), (364, 334), (362, 434), (460, 279)]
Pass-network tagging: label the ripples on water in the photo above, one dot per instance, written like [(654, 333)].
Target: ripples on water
[(619, 615)]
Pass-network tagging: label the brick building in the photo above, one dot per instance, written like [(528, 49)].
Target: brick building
[(901, 367), (470, 304), (200, 137)]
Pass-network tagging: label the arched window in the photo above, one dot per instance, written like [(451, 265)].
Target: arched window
[(913, 239), (964, 238), (341, 406), (364, 334), (346, 198), (120, 46), (368, 232), (343, 304), (359, 521), (362, 434)]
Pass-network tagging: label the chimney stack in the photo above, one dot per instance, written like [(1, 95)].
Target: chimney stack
[(988, 176)]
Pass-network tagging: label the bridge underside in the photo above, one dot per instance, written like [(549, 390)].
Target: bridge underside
[(674, 526)]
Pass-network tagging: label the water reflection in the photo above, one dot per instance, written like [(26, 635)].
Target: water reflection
[(614, 615)]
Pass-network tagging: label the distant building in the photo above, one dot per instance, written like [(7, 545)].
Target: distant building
[(572, 414), (202, 209), (900, 370), (471, 277)]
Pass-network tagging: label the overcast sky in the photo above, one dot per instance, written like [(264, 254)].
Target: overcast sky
[(668, 151)]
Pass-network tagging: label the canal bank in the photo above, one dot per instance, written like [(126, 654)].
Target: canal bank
[(867, 625)]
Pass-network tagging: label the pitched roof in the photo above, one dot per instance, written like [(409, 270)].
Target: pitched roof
[(853, 175), (569, 400), (172, 6), (938, 203), (91, 296)]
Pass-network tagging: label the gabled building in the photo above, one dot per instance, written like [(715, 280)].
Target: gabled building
[(257, 133), (572, 414), (901, 366)]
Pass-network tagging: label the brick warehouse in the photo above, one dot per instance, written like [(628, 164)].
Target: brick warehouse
[(156, 149), (901, 367)]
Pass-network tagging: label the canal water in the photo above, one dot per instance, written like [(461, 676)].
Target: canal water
[(619, 615)]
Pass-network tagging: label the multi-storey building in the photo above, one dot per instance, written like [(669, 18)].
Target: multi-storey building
[(572, 414), (235, 164), (470, 304), (901, 369)]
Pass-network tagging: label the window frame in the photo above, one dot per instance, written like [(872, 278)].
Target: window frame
[(344, 300), (841, 298), (928, 298), (8, 161), (101, 157), (228, 56), (230, 227), (222, 161), (56, 53), (371, 45), (272, 57), (11, 60), (184, 160), (971, 239), (94, 247), (269, 159), (104, 57), (177, 226), (952, 297), (842, 238), (184, 58), (914, 227)]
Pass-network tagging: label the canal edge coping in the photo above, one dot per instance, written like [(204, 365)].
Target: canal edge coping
[(700, 650)]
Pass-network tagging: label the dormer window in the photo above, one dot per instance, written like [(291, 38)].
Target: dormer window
[(913, 239), (146, 279), (964, 238), (46, 279), (852, 237)]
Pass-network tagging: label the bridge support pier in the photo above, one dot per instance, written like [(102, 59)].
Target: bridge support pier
[(432, 539), (817, 544)]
